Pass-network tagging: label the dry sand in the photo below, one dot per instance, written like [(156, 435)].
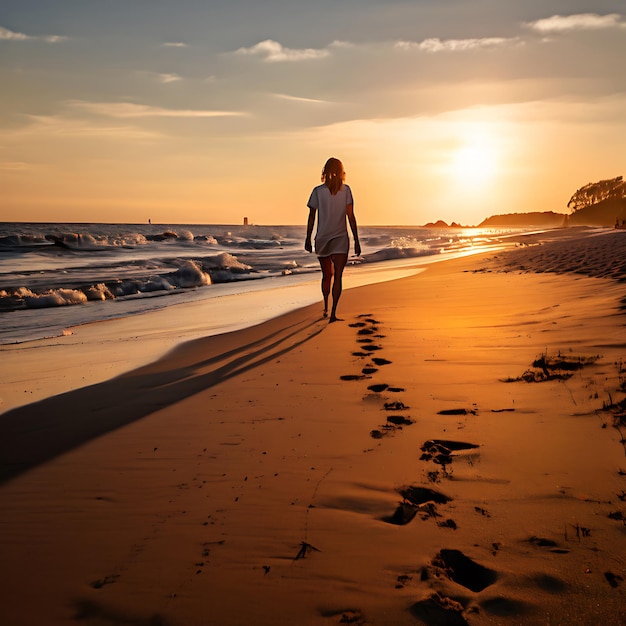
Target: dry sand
[(284, 474)]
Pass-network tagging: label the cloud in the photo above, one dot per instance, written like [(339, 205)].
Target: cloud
[(9, 35), (62, 126), (581, 21), (14, 166), (458, 45), (174, 44), (5, 33), (272, 51), (284, 96), (132, 110), (169, 78), (342, 44), (53, 38)]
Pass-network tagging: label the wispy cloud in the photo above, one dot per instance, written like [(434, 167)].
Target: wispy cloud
[(63, 126), (174, 44), (284, 96), (272, 51), (581, 21), (14, 166), (133, 110), (53, 38), (169, 78), (342, 44), (458, 45), (10, 35)]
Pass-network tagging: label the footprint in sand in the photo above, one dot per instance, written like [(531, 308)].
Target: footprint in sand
[(439, 610), (506, 607), (395, 406), (369, 370), (441, 451), (422, 495), (459, 568), (380, 361), (394, 423), (378, 388), (382, 431), (400, 420), (404, 513), (417, 499)]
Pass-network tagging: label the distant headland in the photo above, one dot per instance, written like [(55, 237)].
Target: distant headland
[(602, 203)]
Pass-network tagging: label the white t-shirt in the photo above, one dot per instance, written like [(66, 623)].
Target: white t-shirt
[(331, 217)]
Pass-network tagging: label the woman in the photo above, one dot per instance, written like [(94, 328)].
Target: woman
[(332, 202)]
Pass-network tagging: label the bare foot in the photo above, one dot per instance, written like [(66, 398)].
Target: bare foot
[(335, 319)]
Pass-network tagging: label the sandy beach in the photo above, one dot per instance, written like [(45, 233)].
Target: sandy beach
[(452, 452)]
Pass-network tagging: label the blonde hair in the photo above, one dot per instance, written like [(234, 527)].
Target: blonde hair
[(333, 175)]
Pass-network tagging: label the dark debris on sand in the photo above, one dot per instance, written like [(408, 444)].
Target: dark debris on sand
[(457, 412), (557, 367)]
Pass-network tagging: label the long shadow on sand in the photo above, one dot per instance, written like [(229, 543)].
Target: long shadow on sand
[(33, 434)]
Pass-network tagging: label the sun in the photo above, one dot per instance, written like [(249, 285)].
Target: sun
[(474, 163)]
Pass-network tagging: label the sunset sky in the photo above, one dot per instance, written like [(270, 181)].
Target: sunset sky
[(205, 111)]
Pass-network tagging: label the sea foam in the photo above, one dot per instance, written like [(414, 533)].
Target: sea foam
[(44, 267)]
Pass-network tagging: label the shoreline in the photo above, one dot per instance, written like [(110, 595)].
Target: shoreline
[(48, 313), (265, 476), (96, 351), (103, 273)]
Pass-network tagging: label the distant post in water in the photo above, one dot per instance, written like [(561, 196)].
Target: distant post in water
[(245, 221)]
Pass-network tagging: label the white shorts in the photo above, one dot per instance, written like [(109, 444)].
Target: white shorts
[(337, 245)]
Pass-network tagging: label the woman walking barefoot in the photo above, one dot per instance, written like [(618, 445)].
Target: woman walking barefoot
[(332, 202)]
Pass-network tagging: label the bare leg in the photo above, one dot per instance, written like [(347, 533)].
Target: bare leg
[(339, 262), (327, 274)]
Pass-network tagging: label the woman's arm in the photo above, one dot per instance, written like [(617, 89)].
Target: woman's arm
[(309, 229), (353, 228)]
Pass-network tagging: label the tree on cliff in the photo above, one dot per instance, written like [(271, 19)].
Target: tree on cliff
[(592, 193)]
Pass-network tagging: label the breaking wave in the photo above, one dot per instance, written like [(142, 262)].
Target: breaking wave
[(46, 266)]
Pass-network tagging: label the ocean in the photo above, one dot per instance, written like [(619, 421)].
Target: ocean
[(54, 276)]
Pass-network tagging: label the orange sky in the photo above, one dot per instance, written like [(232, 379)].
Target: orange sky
[(182, 113)]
